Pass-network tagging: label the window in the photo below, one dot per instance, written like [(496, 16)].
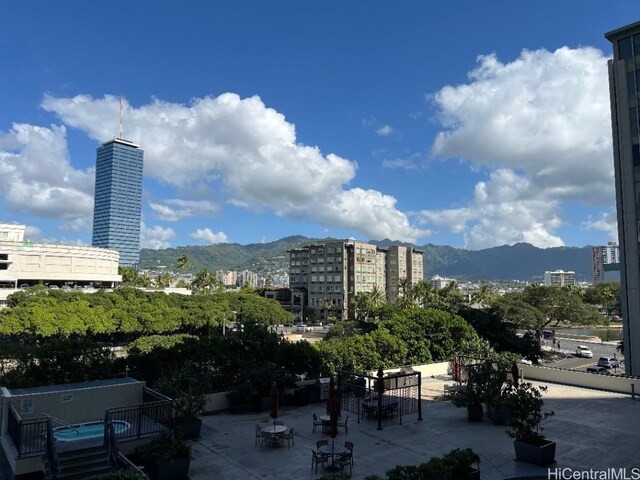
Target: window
[(625, 51)]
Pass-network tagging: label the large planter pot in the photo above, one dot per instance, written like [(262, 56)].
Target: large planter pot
[(176, 469), (543, 454), (500, 416), (189, 429), (474, 474), (475, 413)]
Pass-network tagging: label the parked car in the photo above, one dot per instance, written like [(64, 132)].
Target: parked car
[(582, 351), (609, 362), (302, 328), (531, 360), (597, 369)]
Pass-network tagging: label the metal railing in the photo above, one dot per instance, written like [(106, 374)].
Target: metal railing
[(52, 454), (28, 435), (143, 419)]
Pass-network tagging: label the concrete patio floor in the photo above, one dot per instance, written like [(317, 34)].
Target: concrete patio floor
[(593, 430)]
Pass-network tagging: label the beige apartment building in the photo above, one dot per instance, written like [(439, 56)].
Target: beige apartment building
[(329, 274)]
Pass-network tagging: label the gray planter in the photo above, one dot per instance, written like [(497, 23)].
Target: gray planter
[(475, 413), (189, 429), (177, 469), (543, 454)]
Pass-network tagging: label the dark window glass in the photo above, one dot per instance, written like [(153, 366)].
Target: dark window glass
[(624, 49), (633, 113), (636, 155), (631, 86), (4, 266), (636, 44), (4, 256)]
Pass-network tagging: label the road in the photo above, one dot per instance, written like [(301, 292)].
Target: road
[(573, 362)]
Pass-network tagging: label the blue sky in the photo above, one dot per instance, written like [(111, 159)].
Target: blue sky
[(471, 124)]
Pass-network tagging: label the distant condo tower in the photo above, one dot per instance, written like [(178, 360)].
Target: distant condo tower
[(118, 199), (624, 86)]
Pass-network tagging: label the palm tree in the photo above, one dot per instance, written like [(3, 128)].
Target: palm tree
[(425, 294), (204, 282), (405, 293), (483, 296), (183, 262), (164, 280)]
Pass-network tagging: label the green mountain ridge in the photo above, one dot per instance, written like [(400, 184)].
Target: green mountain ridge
[(521, 261)]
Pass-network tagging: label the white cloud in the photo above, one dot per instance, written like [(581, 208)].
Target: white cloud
[(36, 177), (156, 237), (607, 222), (412, 162), (545, 116), (251, 150), (206, 236), (502, 212), (385, 130), (176, 209)]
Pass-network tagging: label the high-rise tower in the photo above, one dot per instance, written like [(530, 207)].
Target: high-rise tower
[(624, 88), (118, 199)]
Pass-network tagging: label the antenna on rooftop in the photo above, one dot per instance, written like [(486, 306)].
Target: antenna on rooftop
[(121, 110)]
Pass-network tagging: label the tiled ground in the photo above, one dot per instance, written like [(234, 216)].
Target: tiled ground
[(585, 421)]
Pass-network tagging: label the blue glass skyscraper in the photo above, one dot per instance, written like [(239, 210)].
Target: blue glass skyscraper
[(118, 199)]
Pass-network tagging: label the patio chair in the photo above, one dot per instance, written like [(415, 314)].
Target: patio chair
[(349, 446), (318, 458), (316, 422), (344, 425), (288, 436), (269, 439), (345, 461), (258, 434), (321, 443)]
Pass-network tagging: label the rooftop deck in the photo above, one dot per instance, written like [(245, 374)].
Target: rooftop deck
[(593, 429)]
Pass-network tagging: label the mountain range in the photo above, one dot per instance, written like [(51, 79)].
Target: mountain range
[(521, 261)]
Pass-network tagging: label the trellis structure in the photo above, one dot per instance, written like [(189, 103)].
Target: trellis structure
[(381, 396)]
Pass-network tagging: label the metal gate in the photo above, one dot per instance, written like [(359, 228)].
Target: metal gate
[(381, 397)]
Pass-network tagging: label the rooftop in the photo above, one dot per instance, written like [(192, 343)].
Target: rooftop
[(593, 430)]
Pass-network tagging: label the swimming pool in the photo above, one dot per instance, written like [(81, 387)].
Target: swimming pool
[(86, 430)]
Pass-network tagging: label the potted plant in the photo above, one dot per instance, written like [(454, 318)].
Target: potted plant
[(475, 392), (240, 399), (186, 387), (525, 406), (458, 464), (166, 457)]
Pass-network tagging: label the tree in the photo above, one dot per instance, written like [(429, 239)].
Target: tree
[(605, 295), (483, 296), (204, 282)]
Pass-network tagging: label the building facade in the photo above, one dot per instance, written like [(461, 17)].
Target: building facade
[(24, 263), (559, 278), (330, 274), (603, 257), (624, 88), (118, 199)]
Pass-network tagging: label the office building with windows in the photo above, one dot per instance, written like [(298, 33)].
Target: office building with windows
[(328, 275), (118, 199), (624, 88)]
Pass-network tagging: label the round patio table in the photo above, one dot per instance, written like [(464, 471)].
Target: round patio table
[(337, 450), (274, 431)]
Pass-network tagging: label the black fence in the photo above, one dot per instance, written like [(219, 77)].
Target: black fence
[(136, 421), (29, 436), (381, 397)]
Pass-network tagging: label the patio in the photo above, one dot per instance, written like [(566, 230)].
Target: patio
[(584, 421)]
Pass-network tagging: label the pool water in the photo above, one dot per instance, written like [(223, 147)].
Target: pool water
[(86, 430)]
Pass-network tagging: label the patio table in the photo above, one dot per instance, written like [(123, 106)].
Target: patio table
[(274, 431), (337, 450)]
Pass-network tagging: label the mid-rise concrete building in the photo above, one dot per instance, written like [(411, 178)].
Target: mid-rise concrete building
[(559, 278), (624, 89), (605, 259), (439, 282), (331, 273)]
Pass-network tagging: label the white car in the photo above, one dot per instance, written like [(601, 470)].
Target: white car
[(531, 360), (303, 328), (585, 352)]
